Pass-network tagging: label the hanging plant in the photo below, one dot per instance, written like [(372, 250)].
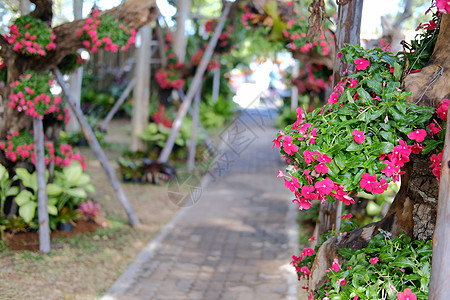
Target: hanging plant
[(169, 79), (106, 32), (296, 35), (31, 36), (313, 78), (31, 95), (362, 137), (20, 147)]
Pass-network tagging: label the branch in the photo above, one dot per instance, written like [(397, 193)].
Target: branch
[(43, 10), (405, 15)]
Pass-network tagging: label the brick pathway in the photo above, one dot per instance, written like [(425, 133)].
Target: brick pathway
[(236, 241)]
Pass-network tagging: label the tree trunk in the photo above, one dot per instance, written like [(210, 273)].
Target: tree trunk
[(180, 38)]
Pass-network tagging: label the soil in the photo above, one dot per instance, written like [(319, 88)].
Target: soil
[(30, 240)]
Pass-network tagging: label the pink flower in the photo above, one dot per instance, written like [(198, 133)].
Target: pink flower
[(323, 158), (368, 182), (313, 238), (361, 64), (434, 129), (406, 295), (335, 265), (390, 169), (288, 147), (418, 135), (321, 168), (374, 260), (292, 185), (353, 83), (308, 156), (307, 252), (347, 216), (308, 192), (342, 281), (443, 6), (334, 97), (305, 271), (280, 174), (277, 142), (442, 109), (359, 136), (324, 187)]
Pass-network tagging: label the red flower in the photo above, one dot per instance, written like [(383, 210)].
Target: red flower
[(406, 295), (347, 216), (442, 109), (288, 147), (418, 135), (359, 136), (374, 260), (434, 129), (361, 64)]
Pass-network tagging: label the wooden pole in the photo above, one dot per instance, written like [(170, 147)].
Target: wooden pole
[(216, 85), (347, 32), (98, 151), (193, 143), (294, 89), (164, 156), (104, 123), (208, 142), (440, 270), (141, 94), (44, 229), (161, 45)]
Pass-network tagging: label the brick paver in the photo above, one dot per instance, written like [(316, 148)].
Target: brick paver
[(236, 241)]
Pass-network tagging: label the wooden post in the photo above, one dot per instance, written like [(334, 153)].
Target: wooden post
[(104, 123), (141, 93), (347, 32), (294, 89), (440, 270), (196, 81), (44, 229), (180, 37), (97, 149), (76, 77), (216, 85), (161, 45), (208, 142), (193, 143)]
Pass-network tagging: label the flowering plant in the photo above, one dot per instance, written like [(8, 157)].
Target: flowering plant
[(313, 78), (31, 94), (106, 32), (388, 268), (20, 146), (169, 78), (295, 33), (361, 138), (225, 43), (31, 36)]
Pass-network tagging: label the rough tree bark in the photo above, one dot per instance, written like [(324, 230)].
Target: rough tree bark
[(414, 208)]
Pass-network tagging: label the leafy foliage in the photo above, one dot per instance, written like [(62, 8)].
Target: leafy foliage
[(381, 270)]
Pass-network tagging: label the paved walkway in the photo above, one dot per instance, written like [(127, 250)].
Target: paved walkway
[(237, 239)]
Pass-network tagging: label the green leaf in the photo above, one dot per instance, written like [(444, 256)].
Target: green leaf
[(387, 135), (52, 210), (390, 60), (24, 197), (89, 188), (347, 253), (72, 173), (84, 179), (53, 190), (77, 193), (380, 148), (355, 147), (365, 96), (28, 211), (25, 177), (397, 71), (403, 262), (12, 191), (4, 175), (372, 115)]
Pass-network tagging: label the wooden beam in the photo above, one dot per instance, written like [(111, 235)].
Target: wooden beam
[(44, 229), (198, 77), (98, 151), (193, 143)]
